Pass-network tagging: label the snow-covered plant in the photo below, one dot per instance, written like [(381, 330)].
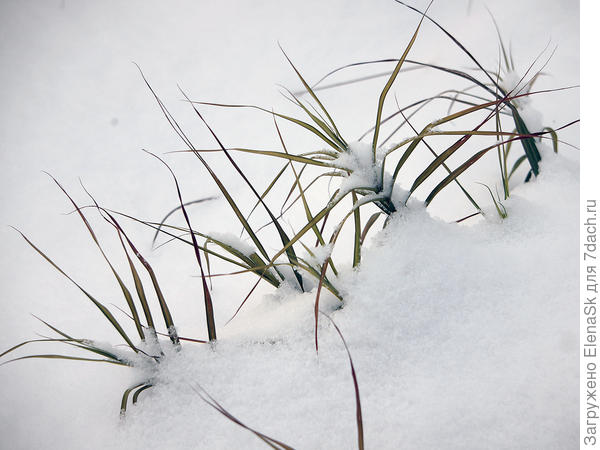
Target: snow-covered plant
[(369, 173), (150, 349), (363, 166)]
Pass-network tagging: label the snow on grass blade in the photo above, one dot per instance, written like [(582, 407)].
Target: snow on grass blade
[(253, 263), (210, 317), (389, 83)]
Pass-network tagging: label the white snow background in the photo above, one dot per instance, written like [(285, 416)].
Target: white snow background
[(463, 337)]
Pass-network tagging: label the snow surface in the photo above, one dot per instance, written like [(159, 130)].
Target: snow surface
[(462, 336)]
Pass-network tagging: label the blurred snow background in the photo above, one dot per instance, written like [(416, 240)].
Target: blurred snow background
[(74, 104)]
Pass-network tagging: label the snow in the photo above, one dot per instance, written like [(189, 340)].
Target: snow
[(516, 84), (232, 240), (462, 336), (318, 255)]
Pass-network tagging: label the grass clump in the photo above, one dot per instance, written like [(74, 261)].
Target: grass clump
[(369, 170)]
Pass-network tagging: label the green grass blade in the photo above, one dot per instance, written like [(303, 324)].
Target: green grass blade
[(126, 396), (69, 358), (124, 289), (516, 165), (98, 305), (368, 226), (341, 144), (31, 341), (314, 96), (357, 232), (554, 138), (287, 156), (389, 83), (161, 299), (291, 254), (208, 306), (137, 393), (472, 160), (464, 191), (174, 210), (299, 122), (173, 123), (139, 287)]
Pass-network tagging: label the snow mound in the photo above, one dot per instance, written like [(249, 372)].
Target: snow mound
[(463, 337)]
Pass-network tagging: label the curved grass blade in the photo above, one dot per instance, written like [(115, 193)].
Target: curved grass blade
[(359, 422), (474, 159), (98, 305), (164, 219), (391, 80), (307, 211), (291, 254), (332, 133), (126, 396), (516, 165), (173, 123), (303, 124), (554, 138), (32, 341), (314, 96), (208, 306), (287, 156), (124, 289), (500, 209), (137, 393), (464, 191), (139, 287), (69, 358), (368, 226), (207, 398), (161, 299), (357, 232)]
